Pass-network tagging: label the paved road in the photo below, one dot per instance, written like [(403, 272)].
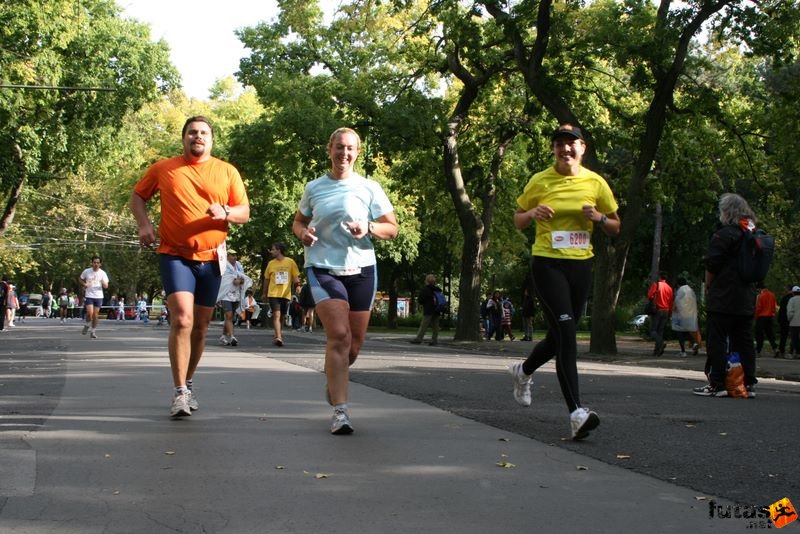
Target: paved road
[(85, 444)]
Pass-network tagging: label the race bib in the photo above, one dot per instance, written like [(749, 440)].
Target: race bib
[(281, 277), (222, 257), (570, 239)]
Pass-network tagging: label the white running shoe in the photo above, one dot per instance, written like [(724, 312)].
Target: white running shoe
[(180, 406), (224, 341), (193, 405), (522, 384), (340, 423), (582, 422), (85, 329), (234, 341), (92, 335)]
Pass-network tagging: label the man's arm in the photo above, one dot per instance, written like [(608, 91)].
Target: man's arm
[(147, 234), (233, 214)]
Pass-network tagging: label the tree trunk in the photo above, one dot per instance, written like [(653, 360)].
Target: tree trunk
[(16, 192), (655, 261), (391, 314)]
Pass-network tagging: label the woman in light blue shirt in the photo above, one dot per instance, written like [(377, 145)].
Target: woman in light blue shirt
[(339, 215)]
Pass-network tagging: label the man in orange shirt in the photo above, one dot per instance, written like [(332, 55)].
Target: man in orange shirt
[(200, 196), (766, 304), (660, 293)]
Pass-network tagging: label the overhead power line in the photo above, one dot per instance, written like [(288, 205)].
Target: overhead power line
[(55, 88)]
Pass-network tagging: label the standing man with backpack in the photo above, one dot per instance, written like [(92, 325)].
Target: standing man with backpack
[(730, 298), (432, 300)]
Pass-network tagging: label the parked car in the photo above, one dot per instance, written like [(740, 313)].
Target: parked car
[(34, 305), (130, 313), (638, 321)]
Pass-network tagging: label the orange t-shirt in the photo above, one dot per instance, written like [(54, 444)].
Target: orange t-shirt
[(187, 190), (765, 304)]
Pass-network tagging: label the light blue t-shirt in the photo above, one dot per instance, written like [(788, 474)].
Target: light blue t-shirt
[(331, 204)]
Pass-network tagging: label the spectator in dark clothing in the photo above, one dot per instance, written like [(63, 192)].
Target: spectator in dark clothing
[(494, 311), (430, 316), (730, 301), (783, 322), (528, 310), (3, 298)]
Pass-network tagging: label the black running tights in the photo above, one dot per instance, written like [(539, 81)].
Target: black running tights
[(562, 287)]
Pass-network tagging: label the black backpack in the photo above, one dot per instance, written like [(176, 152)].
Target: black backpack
[(755, 255)]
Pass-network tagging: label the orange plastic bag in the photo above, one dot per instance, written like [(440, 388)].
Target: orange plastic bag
[(734, 378)]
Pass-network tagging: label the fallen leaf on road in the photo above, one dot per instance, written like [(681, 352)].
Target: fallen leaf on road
[(582, 468), (507, 465), (320, 475), (700, 498), (169, 453), (279, 467), (503, 439), (623, 457), (723, 433)]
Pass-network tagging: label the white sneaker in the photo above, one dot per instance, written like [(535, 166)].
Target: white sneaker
[(522, 384), (180, 406), (85, 329), (224, 341), (340, 423), (193, 405), (234, 341), (92, 335), (582, 422)]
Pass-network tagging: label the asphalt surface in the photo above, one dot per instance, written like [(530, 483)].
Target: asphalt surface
[(86, 444)]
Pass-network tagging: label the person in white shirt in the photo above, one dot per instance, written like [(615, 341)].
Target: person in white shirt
[(94, 280)]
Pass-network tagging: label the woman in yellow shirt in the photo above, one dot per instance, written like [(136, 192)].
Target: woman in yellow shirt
[(566, 201)]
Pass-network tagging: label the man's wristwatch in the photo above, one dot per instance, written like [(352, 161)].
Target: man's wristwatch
[(369, 227), (227, 211), (603, 219)]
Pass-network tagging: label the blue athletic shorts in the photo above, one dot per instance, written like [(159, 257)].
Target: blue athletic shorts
[(93, 302), (357, 289), (200, 278)]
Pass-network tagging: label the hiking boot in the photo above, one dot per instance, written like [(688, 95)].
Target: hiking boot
[(710, 391), (522, 384), (340, 422), (180, 406), (583, 421)]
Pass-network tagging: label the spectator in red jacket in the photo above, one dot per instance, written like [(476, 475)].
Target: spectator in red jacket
[(660, 293)]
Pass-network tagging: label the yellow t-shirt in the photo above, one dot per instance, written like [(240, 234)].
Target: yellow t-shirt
[(568, 234), (281, 275)]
